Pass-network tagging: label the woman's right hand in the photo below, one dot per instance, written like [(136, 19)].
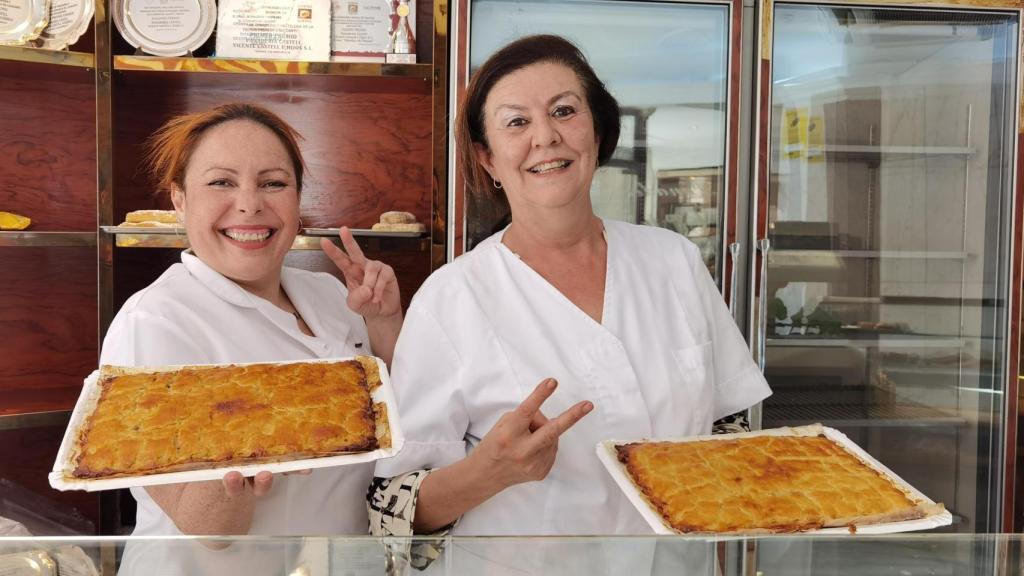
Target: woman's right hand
[(523, 445)]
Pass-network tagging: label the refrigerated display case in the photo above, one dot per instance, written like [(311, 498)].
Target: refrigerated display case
[(898, 554), (877, 179), (885, 193)]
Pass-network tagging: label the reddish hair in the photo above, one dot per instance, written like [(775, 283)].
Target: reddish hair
[(170, 147)]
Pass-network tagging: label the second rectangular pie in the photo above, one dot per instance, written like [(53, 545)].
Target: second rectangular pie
[(785, 480)]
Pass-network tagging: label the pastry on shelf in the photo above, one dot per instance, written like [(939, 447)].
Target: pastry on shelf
[(151, 219), (12, 221), (397, 221)]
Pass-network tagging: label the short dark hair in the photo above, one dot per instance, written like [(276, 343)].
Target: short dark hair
[(469, 126)]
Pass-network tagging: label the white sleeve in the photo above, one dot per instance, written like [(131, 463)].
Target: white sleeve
[(739, 383), (138, 338), (425, 375)]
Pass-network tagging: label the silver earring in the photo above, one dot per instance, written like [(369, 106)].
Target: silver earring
[(497, 184)]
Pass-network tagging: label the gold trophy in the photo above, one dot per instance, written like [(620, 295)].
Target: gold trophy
[(401, 39)]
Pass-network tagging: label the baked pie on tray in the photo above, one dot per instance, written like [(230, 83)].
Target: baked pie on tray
[(140, 422), (784, 480)]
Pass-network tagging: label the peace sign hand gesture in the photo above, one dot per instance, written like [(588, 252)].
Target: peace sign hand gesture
[(372, 287), (523, 444)]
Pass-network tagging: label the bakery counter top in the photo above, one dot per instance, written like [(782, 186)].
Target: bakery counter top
[(794, 555)]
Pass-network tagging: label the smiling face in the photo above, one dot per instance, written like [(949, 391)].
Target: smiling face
[(541, 141), (240, 203)]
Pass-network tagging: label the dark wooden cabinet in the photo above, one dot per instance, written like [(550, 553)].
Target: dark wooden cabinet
[(72, 129)]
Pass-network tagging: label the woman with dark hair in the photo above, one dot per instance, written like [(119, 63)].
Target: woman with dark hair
[(234, 174), (621, 325)]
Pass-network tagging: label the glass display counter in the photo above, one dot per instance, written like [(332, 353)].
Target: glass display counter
[(897, 555)]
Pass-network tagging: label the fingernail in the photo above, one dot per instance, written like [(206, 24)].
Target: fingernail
[(588, 407), (552, 383)]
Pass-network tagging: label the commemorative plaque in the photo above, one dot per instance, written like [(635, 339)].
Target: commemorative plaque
[(275, 29), (359, 30), (165, 27), (69, 19), (22, 20)]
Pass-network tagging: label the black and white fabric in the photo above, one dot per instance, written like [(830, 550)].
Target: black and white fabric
[(737, 422), (391, 503)]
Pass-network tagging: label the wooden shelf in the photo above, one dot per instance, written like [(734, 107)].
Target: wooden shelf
[(41, 56), (47, 239), (237, 66), (309, 240)]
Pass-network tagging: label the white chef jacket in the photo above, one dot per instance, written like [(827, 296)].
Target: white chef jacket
[(194, 315), (666, 360)]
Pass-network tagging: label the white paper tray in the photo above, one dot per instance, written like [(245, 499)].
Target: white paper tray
[(609, 457), (90, 395)]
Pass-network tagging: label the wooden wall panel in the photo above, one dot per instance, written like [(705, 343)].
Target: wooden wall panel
[(367, 140), (48, 145), (26, 457), (48, 321)]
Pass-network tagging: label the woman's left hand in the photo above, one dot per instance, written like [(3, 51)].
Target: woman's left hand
[(372, 286)]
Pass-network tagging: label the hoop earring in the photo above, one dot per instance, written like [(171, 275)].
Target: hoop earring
[(497, 184)]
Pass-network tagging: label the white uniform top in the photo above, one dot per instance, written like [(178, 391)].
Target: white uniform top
[(193, 315), (483, 331)]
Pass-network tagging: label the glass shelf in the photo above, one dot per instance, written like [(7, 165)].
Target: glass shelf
[(913, 151), (874, 340), (47, 239), (240, 66), (39, 55), (142, 237), (35, 419), (860, 415), (827, 260)]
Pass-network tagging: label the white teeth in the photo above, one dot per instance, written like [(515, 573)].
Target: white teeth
[(547, 166), (247, 236)]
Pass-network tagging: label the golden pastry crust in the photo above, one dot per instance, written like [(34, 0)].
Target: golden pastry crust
[(414, 227), (147, 224), (764, 484), (165, 216), (201, 417), (397, 217)]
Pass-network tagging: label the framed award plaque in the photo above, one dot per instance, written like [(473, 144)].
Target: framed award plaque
[(69, 19), (165, 27), (22, 20), (275, 29)]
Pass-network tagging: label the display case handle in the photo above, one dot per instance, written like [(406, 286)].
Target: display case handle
[(764, 245), (734, 253)]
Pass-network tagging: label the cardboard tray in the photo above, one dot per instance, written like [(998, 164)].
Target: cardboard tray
[(90, 395), (608, 456)]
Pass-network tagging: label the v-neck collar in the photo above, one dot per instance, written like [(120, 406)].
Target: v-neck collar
[(608, 283), (227, 290)]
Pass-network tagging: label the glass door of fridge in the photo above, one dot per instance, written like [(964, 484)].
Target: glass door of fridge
[(668, 64), (886, 195)]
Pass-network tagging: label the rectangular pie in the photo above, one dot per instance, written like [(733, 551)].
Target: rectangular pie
[(149, 421), (764, 484)]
